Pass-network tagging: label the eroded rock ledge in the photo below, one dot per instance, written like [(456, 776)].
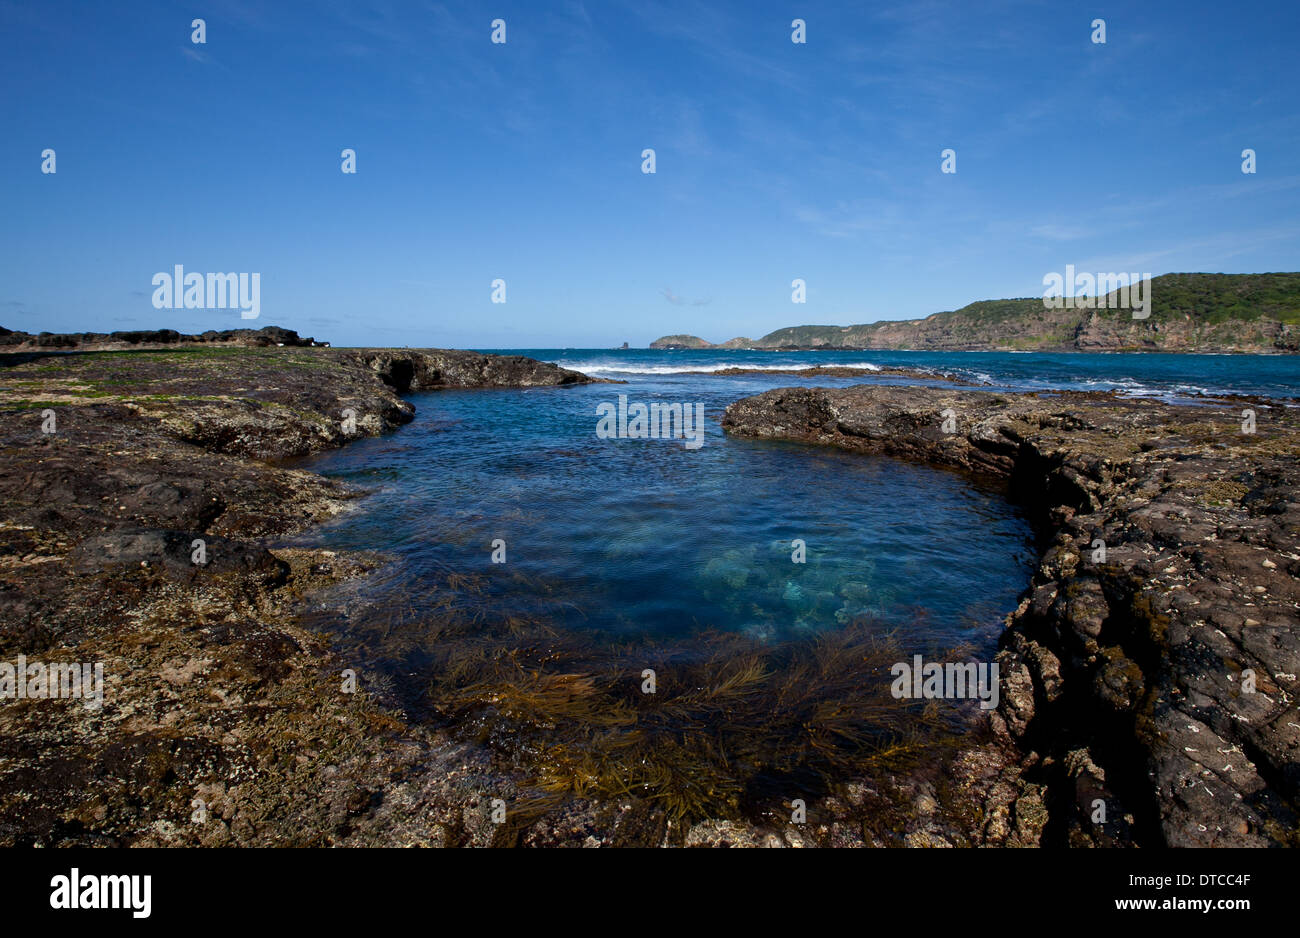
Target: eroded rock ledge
[(428, 369), (223, 720), (1126, 677)]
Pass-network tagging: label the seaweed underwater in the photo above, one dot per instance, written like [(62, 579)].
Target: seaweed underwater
[(712, 725)]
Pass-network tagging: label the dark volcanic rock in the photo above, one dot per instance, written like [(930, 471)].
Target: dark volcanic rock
[(1152, 665), (223, 721), (265, 403), (428, 369), (173, 552)]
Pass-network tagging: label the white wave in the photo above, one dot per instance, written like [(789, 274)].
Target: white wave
[(700, 368), (1126, 387)]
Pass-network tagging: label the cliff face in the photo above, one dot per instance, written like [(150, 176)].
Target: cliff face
[(1188, 313), (1097, 332)]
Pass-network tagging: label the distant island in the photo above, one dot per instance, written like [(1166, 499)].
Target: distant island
[(1189, 313)]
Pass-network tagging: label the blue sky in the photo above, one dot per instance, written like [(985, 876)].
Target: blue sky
[(522, 161)]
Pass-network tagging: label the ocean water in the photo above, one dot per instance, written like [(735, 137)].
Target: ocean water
[(1144, 374), (651, 537), (625, 558), (627, 538)]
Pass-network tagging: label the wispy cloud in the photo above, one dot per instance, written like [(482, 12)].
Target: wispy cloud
[(715, 35), (1201, 254), (676, 300)]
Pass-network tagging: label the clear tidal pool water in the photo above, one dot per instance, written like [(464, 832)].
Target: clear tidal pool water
[(649, 537), (628, 557)]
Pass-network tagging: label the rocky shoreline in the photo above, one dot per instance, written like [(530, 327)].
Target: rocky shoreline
[(224, 722), (1152, 666)]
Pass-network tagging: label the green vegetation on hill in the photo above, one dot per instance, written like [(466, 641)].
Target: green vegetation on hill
[(1217, 298), (1188, 312)]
